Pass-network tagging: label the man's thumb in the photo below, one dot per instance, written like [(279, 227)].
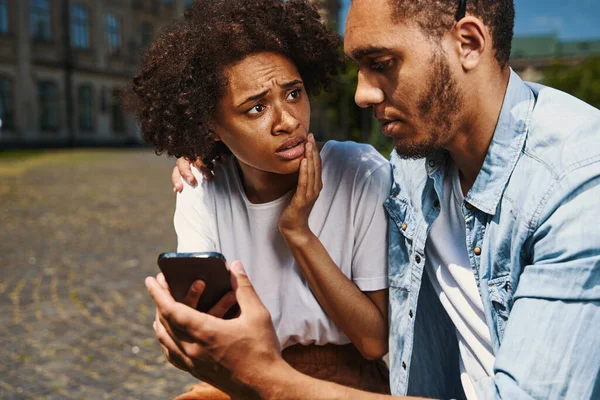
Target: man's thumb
[(244, 292)]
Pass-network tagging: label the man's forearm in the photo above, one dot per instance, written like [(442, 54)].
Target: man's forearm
[(285, 383)]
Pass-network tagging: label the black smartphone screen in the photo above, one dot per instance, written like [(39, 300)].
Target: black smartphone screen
[(182, 269)]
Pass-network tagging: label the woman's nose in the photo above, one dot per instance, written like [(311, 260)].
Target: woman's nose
[(287, 123)]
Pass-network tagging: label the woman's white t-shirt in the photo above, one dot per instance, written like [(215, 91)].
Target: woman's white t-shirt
[(348, 218)]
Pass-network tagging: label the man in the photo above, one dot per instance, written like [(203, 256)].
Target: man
[(494, 237)]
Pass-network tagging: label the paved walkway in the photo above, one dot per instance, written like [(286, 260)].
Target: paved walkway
[(79, 231)]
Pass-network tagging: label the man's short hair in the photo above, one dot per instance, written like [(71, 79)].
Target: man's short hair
[(435, 17)]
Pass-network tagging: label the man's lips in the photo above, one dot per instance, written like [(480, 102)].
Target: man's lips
[(389, 127), (291, 148)]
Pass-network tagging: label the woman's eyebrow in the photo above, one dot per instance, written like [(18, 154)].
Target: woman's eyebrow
[(254, 97), (286, 85), (291, 84)]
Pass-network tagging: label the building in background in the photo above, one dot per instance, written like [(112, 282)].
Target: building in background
[(531, 55), (63, 61)]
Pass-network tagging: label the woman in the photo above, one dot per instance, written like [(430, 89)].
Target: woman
[(307, 220)]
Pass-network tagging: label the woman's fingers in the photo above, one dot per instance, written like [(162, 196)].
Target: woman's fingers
[(302, 182), (310, 169), (223, 305), (318, 183)]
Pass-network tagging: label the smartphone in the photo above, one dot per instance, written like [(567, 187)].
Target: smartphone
[(182, 269)]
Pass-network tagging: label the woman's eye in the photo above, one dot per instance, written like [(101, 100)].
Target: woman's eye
[(294, 94), (257, 109), (381, 65)]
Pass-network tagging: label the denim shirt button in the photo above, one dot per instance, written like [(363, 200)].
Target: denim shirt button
[(477, 251), (469, 206), (403, 365), (410, 313), (404, 226), (418, 258), (431, 163)]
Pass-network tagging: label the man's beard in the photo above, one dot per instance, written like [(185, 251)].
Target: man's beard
[(435, 110)]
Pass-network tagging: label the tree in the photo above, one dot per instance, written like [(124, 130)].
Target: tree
[(581, 80), (336, 116)]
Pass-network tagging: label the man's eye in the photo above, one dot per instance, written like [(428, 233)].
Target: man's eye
[(257, 109), (381, 65), (294, 94)]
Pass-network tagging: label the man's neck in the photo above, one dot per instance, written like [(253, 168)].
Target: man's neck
[(469, 147), (262, 186)]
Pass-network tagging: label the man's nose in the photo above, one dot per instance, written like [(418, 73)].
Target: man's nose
[(367, 94), (287, 123)]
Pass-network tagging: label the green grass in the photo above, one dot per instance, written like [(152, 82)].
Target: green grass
[(19, 154), (18, 161)]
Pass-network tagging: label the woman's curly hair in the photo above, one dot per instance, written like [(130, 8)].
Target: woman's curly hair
[(181, 80)]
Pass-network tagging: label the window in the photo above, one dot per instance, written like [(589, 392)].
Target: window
[(116, 113), (146, 34), (40, 19), (80, 27), (48, 103), (3, 17), (112, 30), (6, 104), (85, 108)]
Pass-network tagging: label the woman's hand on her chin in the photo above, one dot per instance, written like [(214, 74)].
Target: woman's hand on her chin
[(293, 221)]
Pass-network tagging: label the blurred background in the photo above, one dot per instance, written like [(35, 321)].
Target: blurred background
[(62, 62), (85, 208)]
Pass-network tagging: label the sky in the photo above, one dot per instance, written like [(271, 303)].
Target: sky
[(569, 19)]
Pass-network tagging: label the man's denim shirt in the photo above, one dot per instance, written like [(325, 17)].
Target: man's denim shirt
[(533, 237)]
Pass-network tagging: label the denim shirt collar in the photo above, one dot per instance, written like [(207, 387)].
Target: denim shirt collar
[(505, 148)]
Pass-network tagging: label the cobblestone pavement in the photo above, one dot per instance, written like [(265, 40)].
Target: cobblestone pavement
[(79, 232)]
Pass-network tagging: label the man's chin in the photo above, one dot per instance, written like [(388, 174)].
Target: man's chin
[(415, 151)]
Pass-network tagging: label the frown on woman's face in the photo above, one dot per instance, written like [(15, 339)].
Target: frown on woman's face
[(263, 118)]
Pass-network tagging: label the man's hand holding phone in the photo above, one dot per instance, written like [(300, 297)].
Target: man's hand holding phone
[(195, 292), (191, 299), (224, 353)]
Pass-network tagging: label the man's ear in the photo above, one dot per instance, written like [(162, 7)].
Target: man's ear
[(472, 40)]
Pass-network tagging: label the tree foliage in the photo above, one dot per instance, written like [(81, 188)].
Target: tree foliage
[(581, 80), (336, 115)]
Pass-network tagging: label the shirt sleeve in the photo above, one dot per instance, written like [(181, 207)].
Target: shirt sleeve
[(194, 217), (369, 260), (551, 343)]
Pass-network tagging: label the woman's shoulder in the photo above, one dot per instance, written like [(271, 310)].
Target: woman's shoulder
[(206, 189), (352, 156)]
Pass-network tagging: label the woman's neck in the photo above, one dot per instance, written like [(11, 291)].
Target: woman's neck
[(262, 186)]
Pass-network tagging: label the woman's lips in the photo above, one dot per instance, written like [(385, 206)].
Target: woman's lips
[(293, 152)]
